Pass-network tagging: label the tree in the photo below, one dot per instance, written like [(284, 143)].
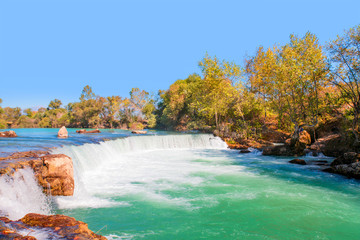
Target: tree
[(87, 93), (55, 104), (216, 90), (345, 69), (177, 107), (291, 78), (111, 107)]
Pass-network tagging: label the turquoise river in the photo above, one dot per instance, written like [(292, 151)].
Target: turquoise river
[(186, 186)]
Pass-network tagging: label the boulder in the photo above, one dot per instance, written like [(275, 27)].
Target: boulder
[(333, 145), (63, 133), (90, 131), (347, 164), (138, 132), (8, 134), (245, 151), (346, 158), (81, 131), (304, 137), (271, 134), (280, 150), (58, 226), (298, 145), (349, 170), (56, 173), (298, 161)]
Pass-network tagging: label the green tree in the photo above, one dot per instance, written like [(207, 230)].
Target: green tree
[(55, 104), (216, 90)]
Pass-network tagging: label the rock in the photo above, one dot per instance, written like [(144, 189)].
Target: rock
[(81, 131), (138, 132), (57, 226), (8, 134), (334, 145), (349, 170), (245, 151), (304, 137), (348, 165), (85, 131), (54, 172), (66, 227), (298, 145), (271, 134), (93, 131), (282, 150), (346, 158), (63, 133), (57, 173), (298, 161)]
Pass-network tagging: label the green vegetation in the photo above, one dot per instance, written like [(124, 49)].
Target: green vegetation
[(287, 87)]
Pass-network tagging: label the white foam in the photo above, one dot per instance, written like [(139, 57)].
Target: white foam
[(21, 194), (143, 167)]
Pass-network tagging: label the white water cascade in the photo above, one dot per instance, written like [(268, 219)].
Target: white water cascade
[(143, 165), (21, 194)]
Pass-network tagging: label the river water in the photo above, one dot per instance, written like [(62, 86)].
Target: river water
[(190, 186)]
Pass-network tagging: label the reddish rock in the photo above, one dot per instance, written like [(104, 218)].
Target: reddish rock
[(304, 137), (138, 132), (66, 227), (86, 131), (8, 134), (271, 134), (63, 133), (57, 226), (81, 131), (298, 161), (54, 171)]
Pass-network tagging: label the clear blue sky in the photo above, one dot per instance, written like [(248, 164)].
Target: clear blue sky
[(53, 48)]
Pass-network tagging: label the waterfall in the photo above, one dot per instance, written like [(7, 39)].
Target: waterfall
[(21, 194), (132, 165)]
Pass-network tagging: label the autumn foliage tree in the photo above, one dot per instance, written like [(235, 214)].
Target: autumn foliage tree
[(345, 65), (290, 79)]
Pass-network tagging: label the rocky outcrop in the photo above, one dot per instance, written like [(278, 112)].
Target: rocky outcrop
[(272, 134), (298, 145), (138, 132), (8, 134), (298, 161), (292, 147), (54, 172), (57, 226), (333, 145), (63, 133), (348, 164), (90, 131), (349, 170), (279, 150), (346, 158)]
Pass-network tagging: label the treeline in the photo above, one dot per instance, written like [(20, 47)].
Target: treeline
[(287, 87), (91, 111)]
